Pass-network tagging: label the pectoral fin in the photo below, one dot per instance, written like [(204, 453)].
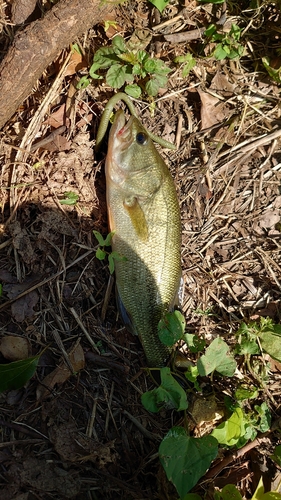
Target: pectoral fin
[(137, 217)]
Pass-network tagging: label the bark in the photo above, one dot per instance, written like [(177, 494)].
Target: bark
[(34, 48)]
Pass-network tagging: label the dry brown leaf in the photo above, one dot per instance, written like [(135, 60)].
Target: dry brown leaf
[(62, 373), (212, 110), (14, 348), (221, 83), (76, 63), (56, 119)]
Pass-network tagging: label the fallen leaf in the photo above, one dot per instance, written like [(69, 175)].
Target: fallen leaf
[(56, 119), (76, 63), (62, 373), (212, 110), (24, 307), (14, 348)]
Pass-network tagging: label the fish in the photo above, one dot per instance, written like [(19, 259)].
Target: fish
[(144, 214)]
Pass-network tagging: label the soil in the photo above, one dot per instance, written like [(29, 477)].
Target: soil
[(77, 429)]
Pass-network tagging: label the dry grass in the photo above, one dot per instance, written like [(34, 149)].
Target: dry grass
[(87, 425)]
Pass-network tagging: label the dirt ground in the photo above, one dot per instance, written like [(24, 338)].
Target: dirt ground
[(77, 429)]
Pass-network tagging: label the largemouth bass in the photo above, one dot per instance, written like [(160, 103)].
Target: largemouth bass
[(143, 211)]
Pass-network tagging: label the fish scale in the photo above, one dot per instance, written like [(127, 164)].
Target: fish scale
[(144, 212)]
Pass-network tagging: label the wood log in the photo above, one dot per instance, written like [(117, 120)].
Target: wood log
[(35, 47)]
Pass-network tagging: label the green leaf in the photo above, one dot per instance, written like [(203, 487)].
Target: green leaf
[(242, 393), (276, 457), (171, 327), (133, 90), (230, 492), (185, 459), (99, 238), (100, 254), (119, 44), (105, 57), (230, 431), (152, 87), (108, 239), (118, 257), (191, 374), (116, 76), (111, 263), (70, 198), (83, 82), (159, 4), (104, 242), (265, 417), (169, 394), (216, 358), (14, 375), (194, 343), (271, 343), (150, 65), (220, 52)]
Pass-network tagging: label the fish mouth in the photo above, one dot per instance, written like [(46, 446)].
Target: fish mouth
[(122, 130)]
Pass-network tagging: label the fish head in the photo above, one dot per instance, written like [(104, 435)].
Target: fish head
[(130, 149)]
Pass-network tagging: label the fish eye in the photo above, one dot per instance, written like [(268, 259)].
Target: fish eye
[(141, 138)]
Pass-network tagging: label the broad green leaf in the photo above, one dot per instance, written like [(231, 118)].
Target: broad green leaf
[(152, 87), (119, 44), (271, 343), (142, 56), (105, 57), (133, 90), (277, 455), (220, 52), (116, 76), (216, 358), (159, 4), (185, 459), (150, 65), (243, 393), (169, 394), (247, 346), (194, 343), (14, 375), (230, 492), (171, 328), (230, 431), (100, 254)]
